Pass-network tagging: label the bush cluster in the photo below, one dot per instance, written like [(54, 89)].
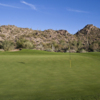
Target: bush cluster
[(62, 46), (8, 45)]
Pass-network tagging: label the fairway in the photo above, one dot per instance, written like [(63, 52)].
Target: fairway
[(40, 75)]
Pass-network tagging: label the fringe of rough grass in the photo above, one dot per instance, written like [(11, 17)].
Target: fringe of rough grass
[(88, 97)]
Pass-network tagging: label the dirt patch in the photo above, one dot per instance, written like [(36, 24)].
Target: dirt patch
[(15, 50), (1, 50)]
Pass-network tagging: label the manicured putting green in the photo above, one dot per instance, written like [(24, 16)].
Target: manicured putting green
[(39, 75)]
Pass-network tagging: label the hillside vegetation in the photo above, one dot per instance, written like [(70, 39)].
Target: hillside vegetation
[(86, 39)]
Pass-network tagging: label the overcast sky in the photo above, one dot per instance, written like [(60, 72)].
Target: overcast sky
[(70, 15)]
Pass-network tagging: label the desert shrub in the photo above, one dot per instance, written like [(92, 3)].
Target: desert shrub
[(61, 41), (94, 47), (82, 51), (40, 46), (23, 43), (54, 43), (79, 44), (49, 50), (31, 34), (72, 51), (0, 45), (53, 47), (2, 35), (7, 45), (27, 45), (48, 45), (74, 43), (13, 32), (20, 43)]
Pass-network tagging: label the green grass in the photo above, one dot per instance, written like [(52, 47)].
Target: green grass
[(39, 75)]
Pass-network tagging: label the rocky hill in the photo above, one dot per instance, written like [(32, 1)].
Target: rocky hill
[(90, 36), (51, 40), (89, 32)]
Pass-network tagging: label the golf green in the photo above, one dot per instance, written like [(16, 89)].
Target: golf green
[(39, 75)]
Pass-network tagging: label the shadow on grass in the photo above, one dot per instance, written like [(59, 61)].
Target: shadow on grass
[(21, 62)]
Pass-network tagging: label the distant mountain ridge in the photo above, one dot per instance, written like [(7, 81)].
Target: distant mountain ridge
[(58, 40), (91, 32)]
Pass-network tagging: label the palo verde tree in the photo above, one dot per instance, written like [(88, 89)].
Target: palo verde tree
[(7, 45)]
